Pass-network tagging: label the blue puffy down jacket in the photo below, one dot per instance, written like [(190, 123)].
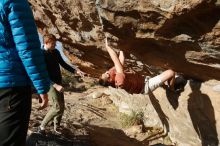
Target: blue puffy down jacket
[(21, 59)]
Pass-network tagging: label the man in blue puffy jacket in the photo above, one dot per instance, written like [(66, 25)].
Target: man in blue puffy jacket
[(21, 64)]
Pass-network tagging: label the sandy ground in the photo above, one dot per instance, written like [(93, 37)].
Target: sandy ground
[(94, 121)]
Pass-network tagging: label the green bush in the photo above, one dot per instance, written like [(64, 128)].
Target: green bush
[(136, 118)]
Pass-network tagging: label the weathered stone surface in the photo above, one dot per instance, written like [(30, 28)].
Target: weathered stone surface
[(183, 35), (171, 34), (189, 118)]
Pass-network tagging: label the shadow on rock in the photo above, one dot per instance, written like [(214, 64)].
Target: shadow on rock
[(103, 136), (173, 96), (36, 139), (202, 115), (163, 117)]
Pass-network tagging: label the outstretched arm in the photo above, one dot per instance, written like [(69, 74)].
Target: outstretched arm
[(71, 69), (121, 58), (64, 64), (114, 57)]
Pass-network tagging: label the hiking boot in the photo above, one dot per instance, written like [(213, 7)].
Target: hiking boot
[(58, 130), (180, 83), (40, 131)]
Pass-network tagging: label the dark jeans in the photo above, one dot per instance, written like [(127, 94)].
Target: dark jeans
[(15, 109)]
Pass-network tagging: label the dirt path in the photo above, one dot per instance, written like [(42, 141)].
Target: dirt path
[(95, 122)]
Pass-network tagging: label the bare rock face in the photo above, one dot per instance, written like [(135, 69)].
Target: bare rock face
[(189, 118), (177, 34), (77, 25), (183, 35), (71, 21)]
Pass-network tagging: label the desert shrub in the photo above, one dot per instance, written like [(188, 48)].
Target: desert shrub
[(135, 118)]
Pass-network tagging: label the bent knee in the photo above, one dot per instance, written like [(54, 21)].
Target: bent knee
[(166, 75), (170, 73), (59, 110)]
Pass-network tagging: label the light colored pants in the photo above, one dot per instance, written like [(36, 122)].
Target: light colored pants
[(152, 83), (56, 111)]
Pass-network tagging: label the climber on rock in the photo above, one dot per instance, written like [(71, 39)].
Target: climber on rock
[(133, 82)]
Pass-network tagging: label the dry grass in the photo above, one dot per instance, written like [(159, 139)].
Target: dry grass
[(136, 118)]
